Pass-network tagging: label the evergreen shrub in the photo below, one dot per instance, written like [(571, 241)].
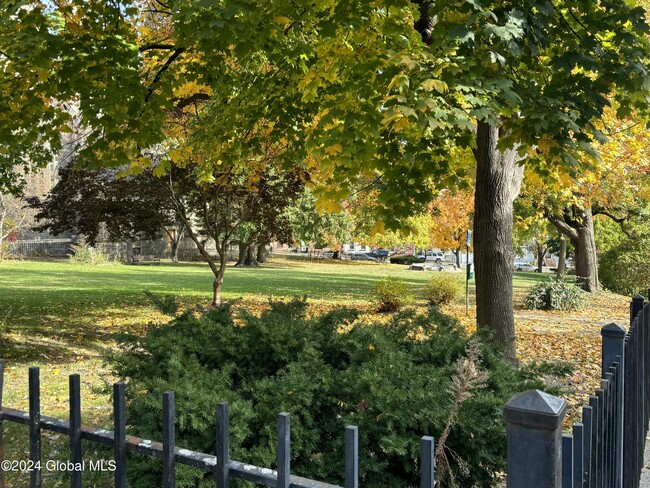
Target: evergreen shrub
[(554, 295), (395, 381), (87, 255)]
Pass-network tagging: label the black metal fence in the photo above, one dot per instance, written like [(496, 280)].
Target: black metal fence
[(219, 464), (605, 449)]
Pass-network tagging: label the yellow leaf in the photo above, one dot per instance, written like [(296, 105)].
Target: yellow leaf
[(378, 228), (334, 149), (438, 85), (176, 155), (401, 124), (329, 206), (283, 21), (545, 144)]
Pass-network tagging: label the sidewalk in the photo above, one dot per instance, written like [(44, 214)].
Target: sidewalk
[(645, 471)]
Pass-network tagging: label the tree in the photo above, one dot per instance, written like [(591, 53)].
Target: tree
[(453, 218), (223, 206), (315, 228), (90, 202), (16, 218), (614, 186), (386, 90)]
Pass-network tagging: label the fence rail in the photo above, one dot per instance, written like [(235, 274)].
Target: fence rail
[(605, 449), (219, 464)]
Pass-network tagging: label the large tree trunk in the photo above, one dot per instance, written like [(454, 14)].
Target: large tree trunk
[(243, 253), (578, 225), (586, 258), (498, 181), (262, 253), (541, 253), (457, 254), (251, 255), (561, 263)]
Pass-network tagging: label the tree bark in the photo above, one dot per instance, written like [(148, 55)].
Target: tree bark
[(262, 253), (498, 181), (218, 281), (561, 264), (541, 253), (129, 250), (586, 258), (251, 255), (457, 254), (578, 225), (243, 252), (175, 244)]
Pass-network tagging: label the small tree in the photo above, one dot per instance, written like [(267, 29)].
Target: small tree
[(90, 202)]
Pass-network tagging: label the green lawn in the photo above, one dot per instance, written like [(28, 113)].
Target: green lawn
[(48, 307)]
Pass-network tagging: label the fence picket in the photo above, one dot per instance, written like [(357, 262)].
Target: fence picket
[(284, 450), (351, 456), (169, 441), (427, 462), (35, 427), (119, 435), (586, 445), (567, 461), (75, 430), (223, 445)]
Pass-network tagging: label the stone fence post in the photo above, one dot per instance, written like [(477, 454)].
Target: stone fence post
[(534, 423)]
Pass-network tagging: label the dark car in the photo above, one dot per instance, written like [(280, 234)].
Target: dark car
[(379, 253)]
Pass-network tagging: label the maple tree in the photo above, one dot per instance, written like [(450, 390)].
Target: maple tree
[(614, 186), (453, 218), (383, 89)]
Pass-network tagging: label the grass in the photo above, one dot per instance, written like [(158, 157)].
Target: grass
[(56, 313), (61, 317)]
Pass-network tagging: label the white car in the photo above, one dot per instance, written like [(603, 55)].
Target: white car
[(524, 266), (432, 256)]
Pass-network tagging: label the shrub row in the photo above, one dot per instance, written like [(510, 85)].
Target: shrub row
[(395, 381)]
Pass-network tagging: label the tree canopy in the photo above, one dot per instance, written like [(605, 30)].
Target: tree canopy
[(387, 90)]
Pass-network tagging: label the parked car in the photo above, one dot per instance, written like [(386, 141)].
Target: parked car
[(360, 256), (435, 256), (379, 254), (523, 266)]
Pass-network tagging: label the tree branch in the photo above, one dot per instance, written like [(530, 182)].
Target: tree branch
[(156, 45), (184, 102), (162, 70), (564, 228)]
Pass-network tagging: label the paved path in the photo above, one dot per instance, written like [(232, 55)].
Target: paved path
[(645, 471)]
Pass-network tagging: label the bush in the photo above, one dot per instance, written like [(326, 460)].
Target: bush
[(394, 381), (392, 294), (442, 288), (554, 295), (87, 255), (405, 260), (625, 269)]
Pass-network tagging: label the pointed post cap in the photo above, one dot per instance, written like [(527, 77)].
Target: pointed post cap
[(535, 409), (613, 330)]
